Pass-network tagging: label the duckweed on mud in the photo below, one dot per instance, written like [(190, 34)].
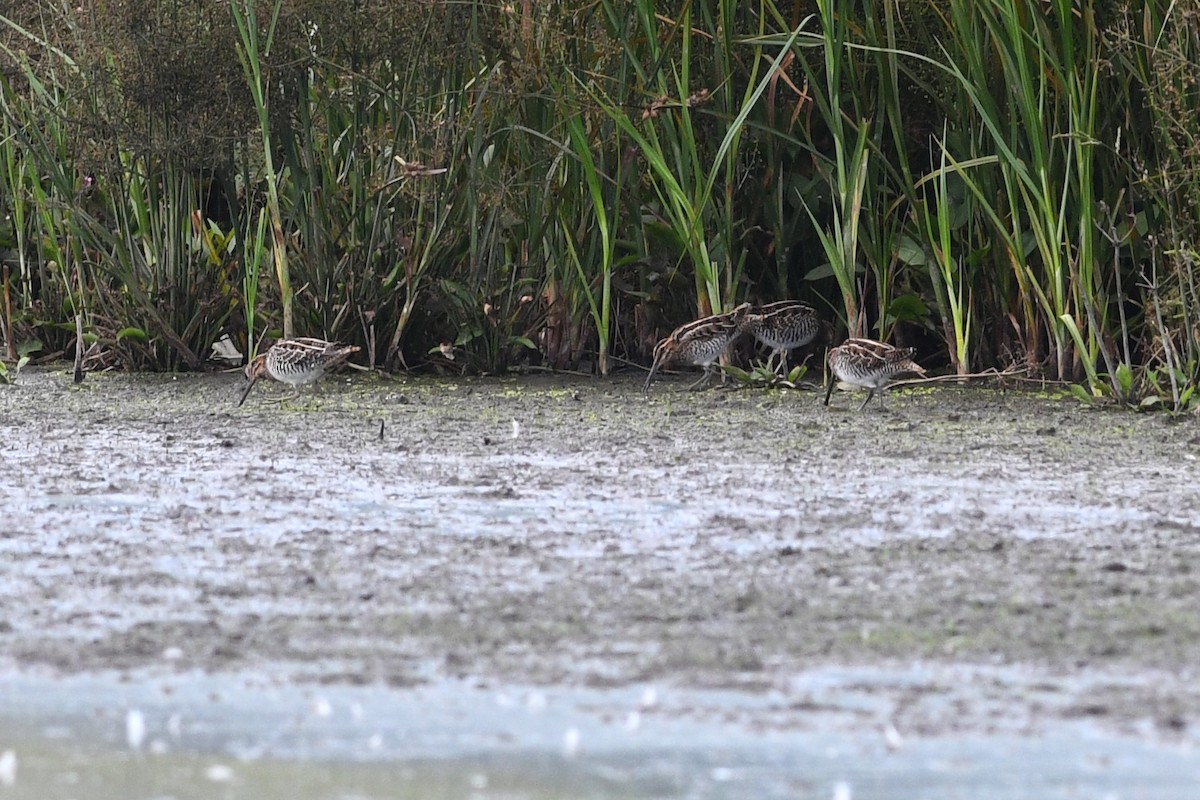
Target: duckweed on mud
[(555, 531)]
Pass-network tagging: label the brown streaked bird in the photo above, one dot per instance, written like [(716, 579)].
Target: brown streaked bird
[(699, 343), (296, 362), (783, 326), (870, 365)]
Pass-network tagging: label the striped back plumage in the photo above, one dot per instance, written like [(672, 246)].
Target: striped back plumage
[(296, 361), (871, 364), (784, 325), (701, 342), (304, 360)]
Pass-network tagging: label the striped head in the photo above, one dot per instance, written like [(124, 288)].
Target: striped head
[(664, 354), (700, 342), (256, 369)]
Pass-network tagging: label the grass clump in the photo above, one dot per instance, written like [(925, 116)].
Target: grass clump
[(475, 186)]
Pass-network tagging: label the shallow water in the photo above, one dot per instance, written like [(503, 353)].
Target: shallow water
[(970, 593), (242, 735)]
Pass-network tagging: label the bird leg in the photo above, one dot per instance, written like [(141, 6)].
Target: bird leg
[(781, 368), (870, 394), (703, 378), (287, 398)]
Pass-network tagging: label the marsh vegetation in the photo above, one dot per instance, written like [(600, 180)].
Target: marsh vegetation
[(1003, 185)]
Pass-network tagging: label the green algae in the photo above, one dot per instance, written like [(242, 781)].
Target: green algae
[(714, 534)]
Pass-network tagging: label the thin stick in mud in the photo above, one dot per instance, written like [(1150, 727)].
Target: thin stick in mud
[(9, 345), (79, 348)]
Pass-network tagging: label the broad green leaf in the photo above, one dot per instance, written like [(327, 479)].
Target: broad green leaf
[(132, 333), (524, 341), (819, 273), (1125, 379), (468, 334), (910, 251), (907, 308), (1028, 243)]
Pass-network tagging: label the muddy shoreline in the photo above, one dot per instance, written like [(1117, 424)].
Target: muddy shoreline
[(558, 531)]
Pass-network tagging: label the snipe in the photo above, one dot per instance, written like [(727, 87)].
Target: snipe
[(296, 362), (871, 365), (783, 326), (699, 343)]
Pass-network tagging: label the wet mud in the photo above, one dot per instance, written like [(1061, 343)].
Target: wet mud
[(1035, 560)]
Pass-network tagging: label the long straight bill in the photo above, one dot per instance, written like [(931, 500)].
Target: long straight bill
[(650, 377), (246, 392)]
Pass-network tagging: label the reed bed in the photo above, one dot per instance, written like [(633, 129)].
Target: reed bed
[(471, 186)]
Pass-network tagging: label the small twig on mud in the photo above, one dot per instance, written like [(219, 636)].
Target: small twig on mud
[(539, 368), (989, 374), (1044, 381), (626, 362)]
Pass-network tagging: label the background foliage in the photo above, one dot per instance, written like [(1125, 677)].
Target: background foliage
[(478, 185)]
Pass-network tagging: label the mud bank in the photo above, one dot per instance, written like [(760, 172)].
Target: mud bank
[(559, 532)]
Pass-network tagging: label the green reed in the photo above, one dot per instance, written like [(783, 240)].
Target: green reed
[(476, 186), (1040, 115), (165, 278), (693, 186), (850, 122), (1154, 47), (845, 173), (948, 271), (597, 209), (14, 205), (677, 168), (254, 253), (41, 186), (254, 49)]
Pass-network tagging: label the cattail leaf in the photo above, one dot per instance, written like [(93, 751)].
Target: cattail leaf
[(132, 333)]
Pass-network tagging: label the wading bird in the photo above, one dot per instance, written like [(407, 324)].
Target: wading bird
[(870, 365), (699, 343), (296, 362), (783, 326)]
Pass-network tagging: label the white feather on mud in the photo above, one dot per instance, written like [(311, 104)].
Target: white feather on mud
[(8, 768), (571, 742), (135, 729)]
